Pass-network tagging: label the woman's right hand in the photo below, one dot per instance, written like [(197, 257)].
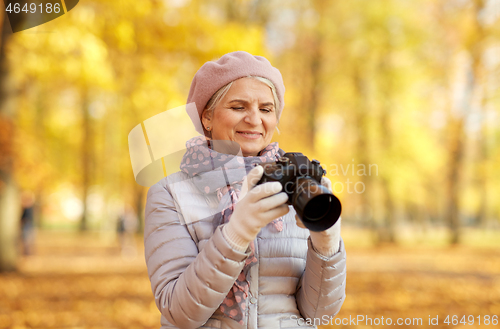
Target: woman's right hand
[(258, 206)]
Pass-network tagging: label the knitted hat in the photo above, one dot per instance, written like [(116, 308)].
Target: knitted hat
[(214, 75)]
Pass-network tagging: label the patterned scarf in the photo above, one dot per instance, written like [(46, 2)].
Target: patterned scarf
[(214, 172)]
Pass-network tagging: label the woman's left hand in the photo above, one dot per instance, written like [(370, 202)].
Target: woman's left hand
[(325, 242)]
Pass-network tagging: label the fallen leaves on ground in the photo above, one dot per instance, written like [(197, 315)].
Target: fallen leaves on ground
[(87, 281)]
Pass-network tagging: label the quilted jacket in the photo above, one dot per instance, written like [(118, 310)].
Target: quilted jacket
[(192, 267)]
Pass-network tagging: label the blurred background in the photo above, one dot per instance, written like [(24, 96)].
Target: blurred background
[(399, 100)]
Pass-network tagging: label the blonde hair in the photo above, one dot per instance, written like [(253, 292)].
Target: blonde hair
[(219, 95)]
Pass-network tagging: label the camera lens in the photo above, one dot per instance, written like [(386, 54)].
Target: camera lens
[(315, 205), (318, 207)]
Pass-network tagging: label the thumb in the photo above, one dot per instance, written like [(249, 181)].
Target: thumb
[(251, 180), (254, 176)]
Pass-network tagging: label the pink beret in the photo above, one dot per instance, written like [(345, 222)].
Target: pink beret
[(214, 75)]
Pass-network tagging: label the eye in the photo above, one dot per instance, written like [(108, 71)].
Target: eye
[(266, 110), (238, 108)]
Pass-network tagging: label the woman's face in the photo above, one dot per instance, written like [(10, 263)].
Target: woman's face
[(245, 115)]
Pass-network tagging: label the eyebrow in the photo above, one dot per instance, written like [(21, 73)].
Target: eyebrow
[(245, 102)]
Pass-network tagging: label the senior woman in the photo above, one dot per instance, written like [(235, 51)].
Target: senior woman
[(222, 251)]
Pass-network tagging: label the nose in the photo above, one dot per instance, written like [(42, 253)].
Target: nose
[(253, 116)]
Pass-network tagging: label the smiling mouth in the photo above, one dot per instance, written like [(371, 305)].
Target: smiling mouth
[(253, 135), (241, 132)]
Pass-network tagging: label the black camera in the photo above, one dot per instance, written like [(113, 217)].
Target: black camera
[(315, 205)]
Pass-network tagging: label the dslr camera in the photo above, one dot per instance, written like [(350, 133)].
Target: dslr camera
[(316, 206)]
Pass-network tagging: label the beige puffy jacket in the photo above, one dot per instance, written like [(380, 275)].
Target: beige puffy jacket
[(192, 267)]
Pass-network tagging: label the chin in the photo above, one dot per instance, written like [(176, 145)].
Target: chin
[(251, 152), (251, 147)]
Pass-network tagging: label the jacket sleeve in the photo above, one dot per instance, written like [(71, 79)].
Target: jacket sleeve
[(321, 290), (188, 285)]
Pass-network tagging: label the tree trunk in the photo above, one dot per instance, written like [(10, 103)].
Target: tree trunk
[(87, 157), (9, 195), (454, 179), (387, 231), (39, 130), (139, 201), (314, 93), (482, 171), (362, 147), (475, 49), (316, 43)]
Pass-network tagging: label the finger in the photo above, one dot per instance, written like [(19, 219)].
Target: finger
[(265, 190), (272, 202), (299, 222), (244, 189), (274, 213), (254, 176), (326, 182)]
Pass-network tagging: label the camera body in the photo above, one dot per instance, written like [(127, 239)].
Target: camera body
[(315, 205)]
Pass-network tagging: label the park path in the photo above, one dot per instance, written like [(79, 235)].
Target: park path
[(79, 281), (89, 281)]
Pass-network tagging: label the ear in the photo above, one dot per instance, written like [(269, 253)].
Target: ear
[(206, 118)]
